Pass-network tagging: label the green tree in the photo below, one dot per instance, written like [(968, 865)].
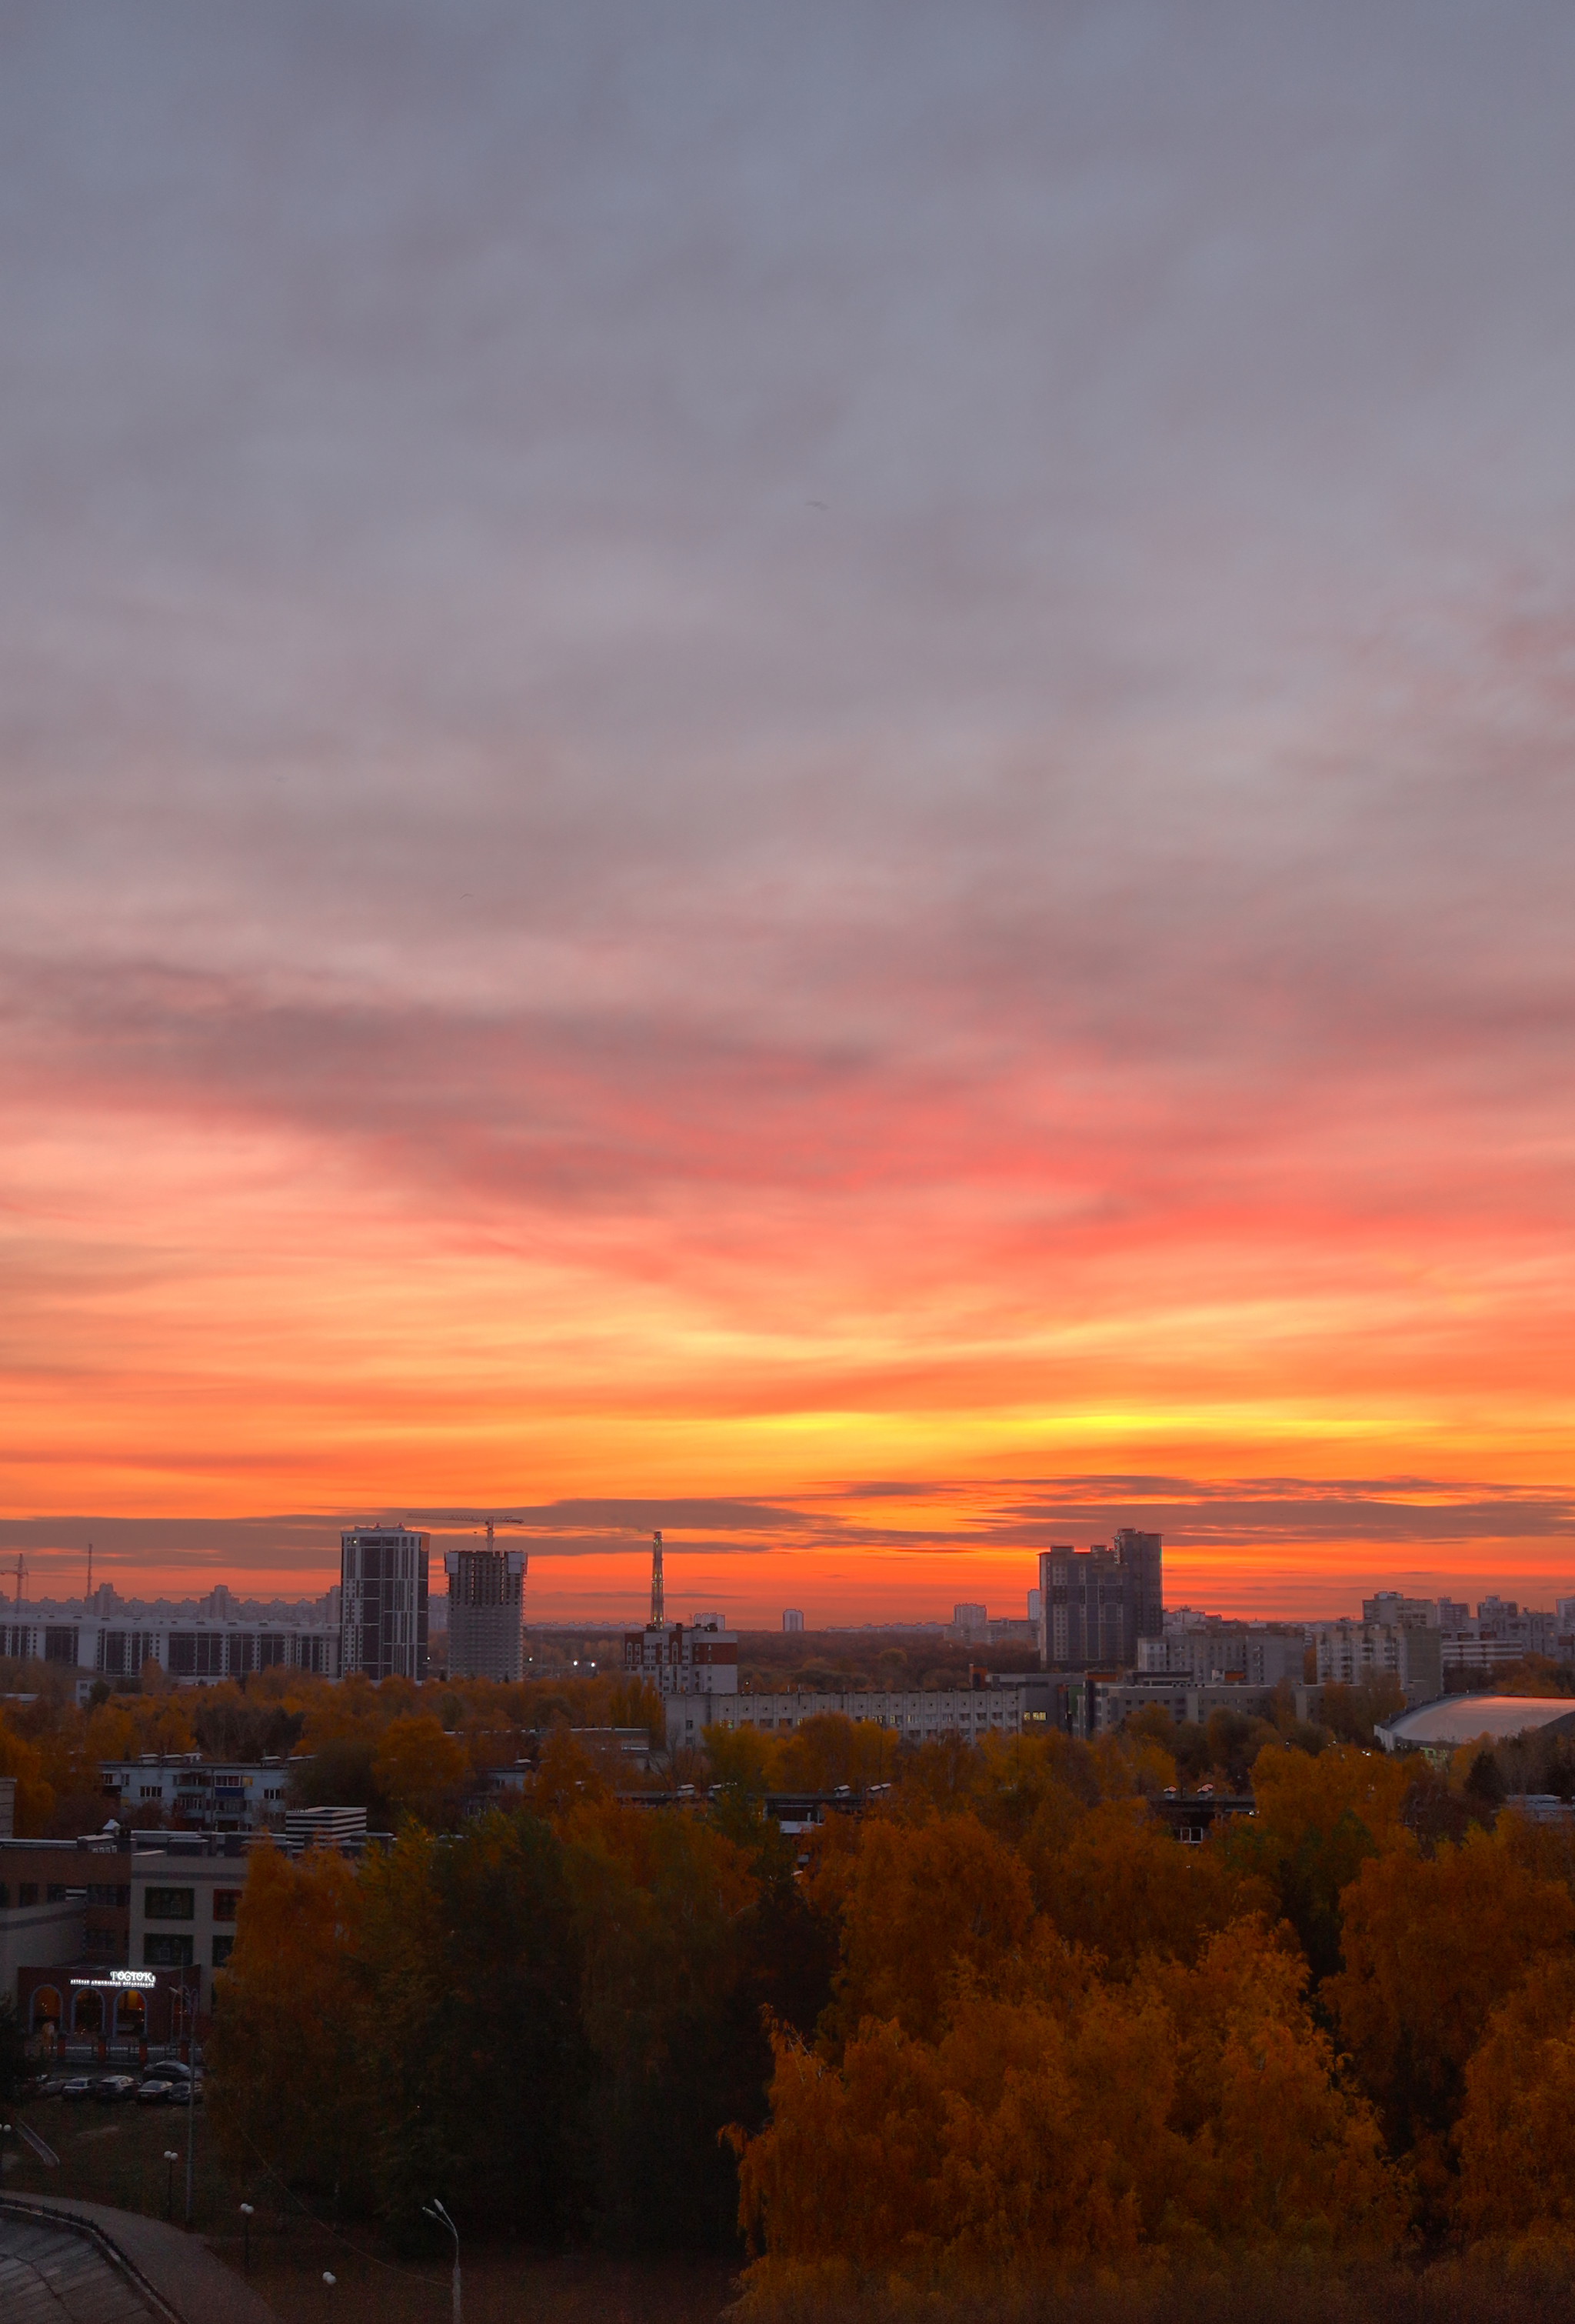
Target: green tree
[(472, 1967)]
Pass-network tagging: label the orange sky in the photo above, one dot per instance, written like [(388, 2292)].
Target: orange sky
[(847, 825)]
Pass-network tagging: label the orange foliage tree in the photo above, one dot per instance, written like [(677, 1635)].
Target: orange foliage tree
[(288, 2056), (1517, 2133), (1432, 1945), (1192, 2111), (920, 1906), (416, 1763), (1124, 1887)]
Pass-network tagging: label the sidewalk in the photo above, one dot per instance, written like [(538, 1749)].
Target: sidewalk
[(178, 2268)]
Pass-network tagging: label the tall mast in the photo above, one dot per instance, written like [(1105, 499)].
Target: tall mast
[(658, 1619)]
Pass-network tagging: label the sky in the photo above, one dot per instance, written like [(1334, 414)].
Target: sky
[(807, 773)]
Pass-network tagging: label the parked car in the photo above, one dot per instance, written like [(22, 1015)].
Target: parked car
[(167, 2069), (79, 2086), (154, 2090), (114, 2087)]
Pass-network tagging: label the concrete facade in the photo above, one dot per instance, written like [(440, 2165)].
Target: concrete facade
[(486, 1613), (920, 1716), (1350, 1652), (383, 1582), (208, 1795)]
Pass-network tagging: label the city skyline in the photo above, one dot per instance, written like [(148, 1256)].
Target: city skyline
[(820, 778), (586, 1564)]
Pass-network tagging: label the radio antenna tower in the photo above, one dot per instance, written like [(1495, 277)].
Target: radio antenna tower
[(658, 1619)]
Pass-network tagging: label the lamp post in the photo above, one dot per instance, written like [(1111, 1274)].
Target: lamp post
[(246, 2234), (171, 2158), (190, 2117), (435, 2211)]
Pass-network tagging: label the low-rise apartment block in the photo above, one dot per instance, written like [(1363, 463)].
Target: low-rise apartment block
[(205, 1794), (920, 1716)]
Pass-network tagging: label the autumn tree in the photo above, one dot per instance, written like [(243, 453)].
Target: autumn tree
[(471, 1969), (1123, 1886), (35, 1794), (1517, 2133), (1074, 2123), (1432, 1944), (681, 1950), (829, 1750), (417, 1767), (1316, 1821), (919, 1903), (1283, 2149), (287, 2052)]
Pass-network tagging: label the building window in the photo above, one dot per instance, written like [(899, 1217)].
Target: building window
[(166, 1952), (225, 1903), (171, 1905), (27, 1892), (55, 1894), (222, 1949)]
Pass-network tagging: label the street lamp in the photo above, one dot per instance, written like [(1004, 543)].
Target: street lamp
[(171, 2158), (435, 2211), (246, 2234)]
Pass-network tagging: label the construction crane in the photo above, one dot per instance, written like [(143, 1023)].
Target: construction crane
[(467, 1518), (22, 1574)]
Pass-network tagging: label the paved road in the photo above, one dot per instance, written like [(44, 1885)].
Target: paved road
[(48, 2275)]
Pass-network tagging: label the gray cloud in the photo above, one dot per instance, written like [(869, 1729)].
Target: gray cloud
[(636, 612)]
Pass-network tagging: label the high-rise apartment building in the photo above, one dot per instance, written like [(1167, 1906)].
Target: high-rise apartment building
[(486, 1613), (383, 1582), (792, 1619), (971, 1621), (1096, 1603)]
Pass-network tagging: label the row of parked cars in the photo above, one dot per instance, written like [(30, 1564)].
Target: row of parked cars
[(166, 2084)]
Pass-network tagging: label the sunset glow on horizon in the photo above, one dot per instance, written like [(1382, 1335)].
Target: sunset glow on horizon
[(821, 795)]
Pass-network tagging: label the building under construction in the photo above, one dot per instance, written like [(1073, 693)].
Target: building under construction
[(486, 1611)]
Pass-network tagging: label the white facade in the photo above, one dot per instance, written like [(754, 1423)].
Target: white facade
[(194, 1650), (921, 1716)]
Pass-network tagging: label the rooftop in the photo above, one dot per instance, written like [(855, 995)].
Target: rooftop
[(1456, 1718)]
